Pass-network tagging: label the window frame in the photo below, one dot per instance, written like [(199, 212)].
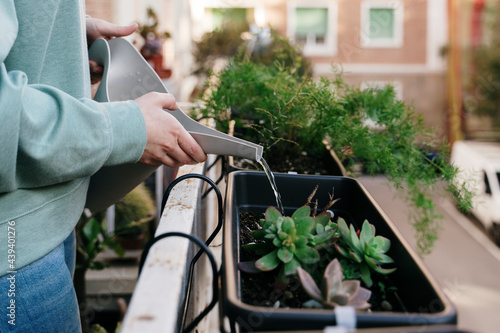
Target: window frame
[(393, 42), (329, 47), (200, 6)]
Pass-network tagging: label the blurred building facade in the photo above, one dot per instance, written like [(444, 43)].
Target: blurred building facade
[(474, 50), (375, 42)]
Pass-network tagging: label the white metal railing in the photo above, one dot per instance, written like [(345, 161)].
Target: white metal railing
[(159, 292)]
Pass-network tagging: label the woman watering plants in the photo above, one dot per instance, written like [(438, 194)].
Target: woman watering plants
[(52, 139)]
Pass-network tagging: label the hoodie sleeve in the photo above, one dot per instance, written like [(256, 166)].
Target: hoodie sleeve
[(48, 137)]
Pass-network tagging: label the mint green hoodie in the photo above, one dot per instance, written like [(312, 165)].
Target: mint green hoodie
[(53, 137)]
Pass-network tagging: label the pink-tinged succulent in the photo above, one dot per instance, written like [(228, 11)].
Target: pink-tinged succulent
[(335, 292)]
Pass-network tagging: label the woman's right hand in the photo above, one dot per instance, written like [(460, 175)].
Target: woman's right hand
[(168, 142)]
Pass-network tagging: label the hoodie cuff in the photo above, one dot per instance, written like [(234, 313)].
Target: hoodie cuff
[(128, 131)]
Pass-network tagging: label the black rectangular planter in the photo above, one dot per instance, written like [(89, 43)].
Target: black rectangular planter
[(425, 302)]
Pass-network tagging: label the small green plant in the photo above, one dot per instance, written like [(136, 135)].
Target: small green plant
[(288, 238), (93, 239), (276, 51), (223, 42), (325, 231), (291, 242), (133, 212), (149, 30), (384, 290), (319, 249), (334, 290), (226, 42), (366, 249), (96, 328)]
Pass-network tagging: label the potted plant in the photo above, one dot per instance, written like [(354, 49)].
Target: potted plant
[(133, 214), (386, 280), (292, 115), (152, 48), (259, 93), (92, 238)]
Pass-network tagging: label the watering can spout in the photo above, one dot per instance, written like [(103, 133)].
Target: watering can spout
[(218, 143), (128, 76)]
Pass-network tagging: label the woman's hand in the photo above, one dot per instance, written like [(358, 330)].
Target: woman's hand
[(97, 28), (168, 141)]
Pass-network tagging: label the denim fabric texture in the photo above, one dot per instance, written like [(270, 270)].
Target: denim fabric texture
[(45, 299)]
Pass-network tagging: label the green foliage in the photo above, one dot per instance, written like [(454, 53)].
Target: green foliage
[(324, 233), (151, 26), (289, 242), (226, 42), (330, 259), (223, 42), (131, 214), (412, 158), (273, 51), (290, 238), (93, 238), (269, 104), (272, 105), (133, 211), (367, 250), (96, 328), (334, 290)]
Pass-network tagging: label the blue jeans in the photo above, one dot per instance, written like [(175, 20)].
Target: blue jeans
[(40, 297)]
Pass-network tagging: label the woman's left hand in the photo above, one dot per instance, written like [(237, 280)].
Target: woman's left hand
[(97, 28)]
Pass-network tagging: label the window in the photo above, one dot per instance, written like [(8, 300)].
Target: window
[(239, 16), (382, 24), (210, 15), (312, 24)]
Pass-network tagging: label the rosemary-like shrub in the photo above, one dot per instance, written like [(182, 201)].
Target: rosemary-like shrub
[(273, 104)]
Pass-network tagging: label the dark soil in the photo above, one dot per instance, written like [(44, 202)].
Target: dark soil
[(285, 157), (260, 289)]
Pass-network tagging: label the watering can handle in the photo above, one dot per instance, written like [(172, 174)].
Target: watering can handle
[(125, 55)]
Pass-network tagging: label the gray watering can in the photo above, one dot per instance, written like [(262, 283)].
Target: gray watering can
[(127, 76)]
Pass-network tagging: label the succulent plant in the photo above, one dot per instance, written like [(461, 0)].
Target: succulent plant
[(287, 239), (368, 250), (324, 233), (334, 291)]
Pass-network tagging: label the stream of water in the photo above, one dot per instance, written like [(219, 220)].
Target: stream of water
[(272, 182)]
